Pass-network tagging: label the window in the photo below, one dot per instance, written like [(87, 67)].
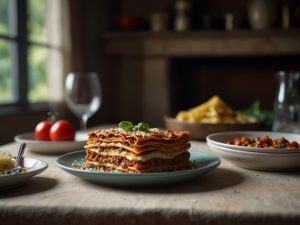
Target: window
[(30, 52)]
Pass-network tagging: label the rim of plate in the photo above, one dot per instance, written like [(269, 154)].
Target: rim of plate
[(31, 172), (214, 163), (29, 138), (210, 139), (253, 153)]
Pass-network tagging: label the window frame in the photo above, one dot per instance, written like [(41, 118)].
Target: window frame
[(20, 47)]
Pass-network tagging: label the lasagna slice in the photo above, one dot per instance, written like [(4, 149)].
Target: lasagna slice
[(137, 151)]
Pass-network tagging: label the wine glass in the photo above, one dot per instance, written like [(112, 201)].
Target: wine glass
[(83, 95)]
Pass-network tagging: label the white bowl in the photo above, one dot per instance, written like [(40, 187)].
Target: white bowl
[(257, 160), (221, 138), (32, 166), (51, 147)]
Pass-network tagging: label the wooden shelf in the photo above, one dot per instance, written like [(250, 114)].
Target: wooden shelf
[(142, 60), (204, 43)]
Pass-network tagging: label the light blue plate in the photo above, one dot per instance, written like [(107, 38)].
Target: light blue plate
[(204, 163)]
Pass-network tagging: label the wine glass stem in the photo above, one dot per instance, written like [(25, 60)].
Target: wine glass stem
[(83, 122)]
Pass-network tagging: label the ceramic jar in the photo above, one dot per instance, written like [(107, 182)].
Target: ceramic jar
[(159, 22), (182, 21), (262, 14)]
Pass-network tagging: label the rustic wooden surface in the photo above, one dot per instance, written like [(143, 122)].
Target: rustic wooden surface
[(227, 195)]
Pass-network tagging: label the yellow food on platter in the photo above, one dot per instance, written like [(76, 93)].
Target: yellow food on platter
[(6, 162), (215, 110)]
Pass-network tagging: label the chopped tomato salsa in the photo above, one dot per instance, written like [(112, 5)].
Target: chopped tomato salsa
[(264, 142)]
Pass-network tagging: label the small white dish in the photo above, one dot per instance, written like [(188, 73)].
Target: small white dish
[(257, 160), (32, 166), (51, 147), (221, 138)]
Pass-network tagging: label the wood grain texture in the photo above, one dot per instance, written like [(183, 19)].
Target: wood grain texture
[(213, 43)]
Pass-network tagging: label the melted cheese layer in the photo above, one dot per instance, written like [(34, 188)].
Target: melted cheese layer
[(142, 158)]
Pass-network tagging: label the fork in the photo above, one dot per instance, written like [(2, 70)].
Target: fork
[(17, 168)]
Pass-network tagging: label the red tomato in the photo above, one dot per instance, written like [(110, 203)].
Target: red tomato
[(62, 130), (42, 130)]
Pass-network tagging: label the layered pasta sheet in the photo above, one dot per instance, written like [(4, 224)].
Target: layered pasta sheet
[(136, 151)]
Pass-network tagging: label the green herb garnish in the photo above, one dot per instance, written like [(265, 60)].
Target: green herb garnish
[(128, 126), (281, 146), (142, 126), (264, 116)]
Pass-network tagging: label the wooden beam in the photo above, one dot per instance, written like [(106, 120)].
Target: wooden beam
[(204, 44)]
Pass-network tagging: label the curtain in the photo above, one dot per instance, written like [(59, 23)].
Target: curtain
[(77, 35), (66, 35)]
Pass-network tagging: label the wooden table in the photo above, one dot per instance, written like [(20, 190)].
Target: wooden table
[(227, 195)]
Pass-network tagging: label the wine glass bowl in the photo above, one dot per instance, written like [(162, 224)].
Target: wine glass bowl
[(83, 95)]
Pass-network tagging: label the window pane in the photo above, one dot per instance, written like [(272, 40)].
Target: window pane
[(7, 17), (37, 64), (36, 23), (6, 73)]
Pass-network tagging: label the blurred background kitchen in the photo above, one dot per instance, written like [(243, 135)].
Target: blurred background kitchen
[(154, 58)]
